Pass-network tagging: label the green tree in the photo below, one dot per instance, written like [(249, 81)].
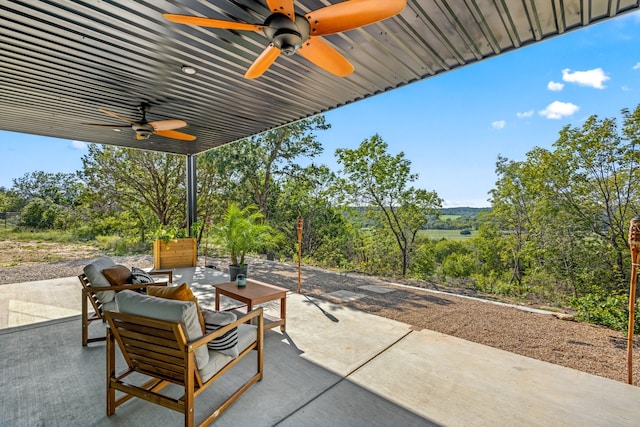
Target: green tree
[(564, 213), (327, 236), (444, 247), (597, 179), (488, 246), (253, 169), (512, 199), (379, 183), (150, 186), (62, 189), (40, 213), (9, 200), (424, 259), (46, 200), (458, 265)]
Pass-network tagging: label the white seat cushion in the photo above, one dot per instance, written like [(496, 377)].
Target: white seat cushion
[(110, 306), (246, 336)]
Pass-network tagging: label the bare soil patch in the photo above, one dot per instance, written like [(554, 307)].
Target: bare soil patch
[(14, 253), (588, 348)]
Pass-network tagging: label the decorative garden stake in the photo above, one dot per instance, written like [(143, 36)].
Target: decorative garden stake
[(634, 245), (300, 222)]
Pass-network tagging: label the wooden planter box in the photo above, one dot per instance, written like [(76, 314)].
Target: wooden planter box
[(175, 253)]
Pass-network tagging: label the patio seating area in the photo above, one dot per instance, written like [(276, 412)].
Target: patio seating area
[(332, 366)]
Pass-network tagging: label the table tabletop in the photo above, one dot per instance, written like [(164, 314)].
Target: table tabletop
[(255, 291)]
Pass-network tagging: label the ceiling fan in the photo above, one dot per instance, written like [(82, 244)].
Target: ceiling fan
[(145, 129), (289, 32)]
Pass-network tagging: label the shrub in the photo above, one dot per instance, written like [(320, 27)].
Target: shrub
[(40, 213), (611, 311), (424, 260), (490, 283), (444, 248), (119, 246), (458, 265)]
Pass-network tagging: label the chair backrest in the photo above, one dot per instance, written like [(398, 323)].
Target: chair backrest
[(183, 312), (89, 293), (94, 276), (153, 347)]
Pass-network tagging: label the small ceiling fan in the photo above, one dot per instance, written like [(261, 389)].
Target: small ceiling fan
[(145, 129), (289, 32)]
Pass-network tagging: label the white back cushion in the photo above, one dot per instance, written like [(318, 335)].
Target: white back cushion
[(183, 312), (96, 279)]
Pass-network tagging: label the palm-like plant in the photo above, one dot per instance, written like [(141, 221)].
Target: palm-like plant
[(243, 231)]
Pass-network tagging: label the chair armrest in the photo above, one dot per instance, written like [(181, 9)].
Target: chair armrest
[(168, 273), (258, 312), (90, 289)]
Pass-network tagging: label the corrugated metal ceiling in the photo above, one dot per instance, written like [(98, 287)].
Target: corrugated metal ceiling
[(61, 61)]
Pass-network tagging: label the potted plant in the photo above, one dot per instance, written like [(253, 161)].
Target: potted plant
[(242, 231), (173, 248)]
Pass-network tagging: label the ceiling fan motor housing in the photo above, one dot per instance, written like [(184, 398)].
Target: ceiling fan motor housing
[(143, 130), (285, 34)]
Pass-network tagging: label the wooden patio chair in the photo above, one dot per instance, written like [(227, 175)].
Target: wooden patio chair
[(91, 295), (162, 351)]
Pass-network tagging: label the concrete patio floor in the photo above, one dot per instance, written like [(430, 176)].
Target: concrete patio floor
[(334, 366)]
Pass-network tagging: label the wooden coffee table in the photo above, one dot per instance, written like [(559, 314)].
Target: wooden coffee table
[(256, 293)]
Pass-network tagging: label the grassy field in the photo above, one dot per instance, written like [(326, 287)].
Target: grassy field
[(445, 217), (445, 234)]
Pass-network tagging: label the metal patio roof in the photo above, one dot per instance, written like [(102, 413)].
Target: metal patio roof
[(63, 60)]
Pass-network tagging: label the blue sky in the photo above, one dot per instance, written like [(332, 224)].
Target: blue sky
[(452, 127)]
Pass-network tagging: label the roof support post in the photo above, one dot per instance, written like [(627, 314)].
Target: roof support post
[(192, 211)]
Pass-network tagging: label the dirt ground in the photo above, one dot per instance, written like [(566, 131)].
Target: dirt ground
[(24, 253), (588, 348)]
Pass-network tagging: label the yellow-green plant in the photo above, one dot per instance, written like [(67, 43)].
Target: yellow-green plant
[(166, 234), (242, 231)]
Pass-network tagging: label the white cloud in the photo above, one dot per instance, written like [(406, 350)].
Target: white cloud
[(79, 145), (558, 110), (498, 124), (637, 66), (591, 78), (525, 115), (555, 86)]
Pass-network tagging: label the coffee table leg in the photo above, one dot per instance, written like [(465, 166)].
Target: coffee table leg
[(217, 300), (283, 313)]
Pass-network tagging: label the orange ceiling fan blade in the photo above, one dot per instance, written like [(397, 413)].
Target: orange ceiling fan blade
[(352, 14), (282, 6), (324, 56), (210, 22), (117, 116), (168, 124), (263, 62), (175, 135)]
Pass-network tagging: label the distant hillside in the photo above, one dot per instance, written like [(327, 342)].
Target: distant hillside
[(469, 212), (463, 218)]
